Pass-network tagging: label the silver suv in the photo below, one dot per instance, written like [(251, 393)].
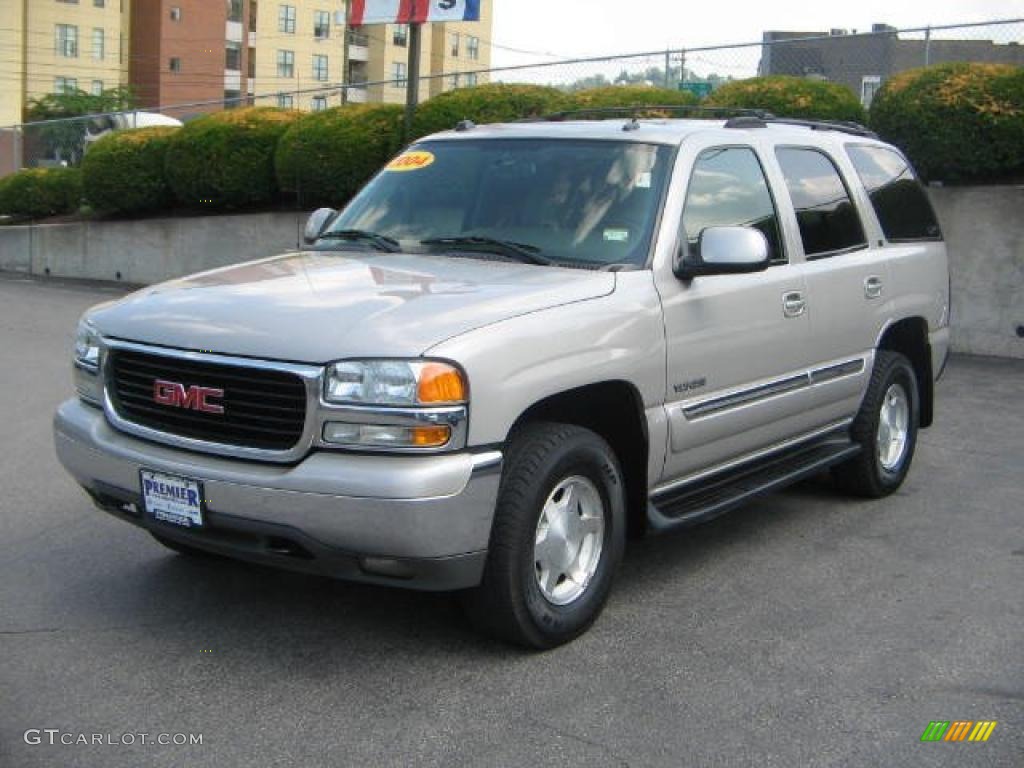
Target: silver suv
[(521, 344)]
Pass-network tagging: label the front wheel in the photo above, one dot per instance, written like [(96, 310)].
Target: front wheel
[(558, 536), (885, 428)]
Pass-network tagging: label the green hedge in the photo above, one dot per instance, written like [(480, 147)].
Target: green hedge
[(956, 122), (124, 172), (39, 192), (226, 160), (325, 157), (494, 103), (629, 96), (786, 96)]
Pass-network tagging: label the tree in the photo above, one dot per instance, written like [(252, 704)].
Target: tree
[(66, 140)]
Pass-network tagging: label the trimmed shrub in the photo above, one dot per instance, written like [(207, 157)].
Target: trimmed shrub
[(786, 96), (629, 96), (39, 192), (956, 121), (494, 103), (124, 172), (226, 160), (325, 157)]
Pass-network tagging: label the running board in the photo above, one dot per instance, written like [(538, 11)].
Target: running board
[(710, 498)]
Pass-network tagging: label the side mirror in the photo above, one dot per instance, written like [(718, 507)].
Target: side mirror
[(316, 224), (725, 251)]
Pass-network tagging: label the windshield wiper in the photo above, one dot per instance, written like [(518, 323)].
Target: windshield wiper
[(378, 241), (521, 251)]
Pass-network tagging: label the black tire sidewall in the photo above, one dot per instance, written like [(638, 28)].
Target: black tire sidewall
[(588, 456)]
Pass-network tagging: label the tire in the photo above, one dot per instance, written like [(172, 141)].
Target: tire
[(557, 482), (181, 549), (878, 471)]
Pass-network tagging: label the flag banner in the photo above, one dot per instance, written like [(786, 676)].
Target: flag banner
[(365, 12)]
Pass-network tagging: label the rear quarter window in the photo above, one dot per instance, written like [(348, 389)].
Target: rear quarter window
[(901, 204)]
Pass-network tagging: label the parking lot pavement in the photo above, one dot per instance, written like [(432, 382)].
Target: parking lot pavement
[(804, 629)]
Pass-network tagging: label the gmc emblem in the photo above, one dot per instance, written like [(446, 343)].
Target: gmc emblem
[(195, 398)]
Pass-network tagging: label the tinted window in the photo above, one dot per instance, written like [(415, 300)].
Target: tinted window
[(827, 217), (728, 189), (901, 204)]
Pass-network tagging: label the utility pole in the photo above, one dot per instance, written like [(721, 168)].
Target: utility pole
[(412, 89), (345, 73), (928, 47), (668, 68)]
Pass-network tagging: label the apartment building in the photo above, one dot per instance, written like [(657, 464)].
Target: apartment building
[(51, 46)]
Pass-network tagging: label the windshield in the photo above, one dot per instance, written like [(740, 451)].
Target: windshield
[(584, 202)]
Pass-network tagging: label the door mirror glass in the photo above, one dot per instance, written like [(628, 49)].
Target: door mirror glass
[(726, 251), (316, 224)]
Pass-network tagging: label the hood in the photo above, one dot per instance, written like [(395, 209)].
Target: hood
[(318, 307)]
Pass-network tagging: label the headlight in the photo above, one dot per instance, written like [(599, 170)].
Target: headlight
[(395, 382), (87, 364), (87, 348)]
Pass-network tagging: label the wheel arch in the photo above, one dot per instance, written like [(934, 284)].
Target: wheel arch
[(614, 410), (909, 337)]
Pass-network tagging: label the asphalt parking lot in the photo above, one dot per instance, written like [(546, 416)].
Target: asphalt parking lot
[(803, 630)]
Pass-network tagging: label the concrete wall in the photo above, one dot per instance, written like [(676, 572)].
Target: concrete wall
[(984, 229), (147, 250)]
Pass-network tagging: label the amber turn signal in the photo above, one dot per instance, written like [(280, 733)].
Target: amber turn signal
[(440, 383)]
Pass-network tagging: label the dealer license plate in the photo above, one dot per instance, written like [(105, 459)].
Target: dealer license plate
[(172, 499)]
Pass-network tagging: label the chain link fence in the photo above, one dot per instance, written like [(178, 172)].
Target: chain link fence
[(860, 60)]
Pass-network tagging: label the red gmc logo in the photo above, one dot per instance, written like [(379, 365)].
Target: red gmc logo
[(194, 398)]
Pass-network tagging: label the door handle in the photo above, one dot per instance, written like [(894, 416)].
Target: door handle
[(793, 304), (873, 287)]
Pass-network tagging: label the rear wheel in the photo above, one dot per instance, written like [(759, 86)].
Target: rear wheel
[(885, 428), (557, 539)]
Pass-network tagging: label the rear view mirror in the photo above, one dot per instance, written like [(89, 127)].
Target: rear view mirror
[(725, 251), (316, 224)]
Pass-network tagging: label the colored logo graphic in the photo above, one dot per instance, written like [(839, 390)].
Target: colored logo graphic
[(959, 730)]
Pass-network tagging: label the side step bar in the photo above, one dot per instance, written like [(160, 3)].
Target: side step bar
[(710, 498)]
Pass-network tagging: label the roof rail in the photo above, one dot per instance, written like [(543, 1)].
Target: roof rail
[(642, 110), (842, 126)]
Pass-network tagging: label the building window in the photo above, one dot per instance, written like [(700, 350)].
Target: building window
[(453, 43), (471, 79), (286, 19), (253, 14), (174, 64), (456, 80), (98, 44), (473, 47), (400, 35), (869, 85), (97, 87), (233, 56), (175, 13), (232, 99), (285, 101), (828, 220), (319, 103), (235, 10), (68, 2), (321, 25), (399, 73), (286, 64), (319, 67), (99, 3), (65, 84), (67, 41), (252, 63)]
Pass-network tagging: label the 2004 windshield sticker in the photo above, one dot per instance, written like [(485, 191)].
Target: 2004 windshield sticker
[(411, 161)]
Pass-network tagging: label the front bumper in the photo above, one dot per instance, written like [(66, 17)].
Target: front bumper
[(416, 521)]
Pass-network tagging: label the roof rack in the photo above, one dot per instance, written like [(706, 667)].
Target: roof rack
[(762, 121), (641, 110)]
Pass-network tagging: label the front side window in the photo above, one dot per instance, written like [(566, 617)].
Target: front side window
[(728, 188), (828, 219), (902, 207), (286, 64), (286, 19), (577, 202)]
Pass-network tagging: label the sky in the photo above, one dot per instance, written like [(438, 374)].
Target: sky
[(544, 29)]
